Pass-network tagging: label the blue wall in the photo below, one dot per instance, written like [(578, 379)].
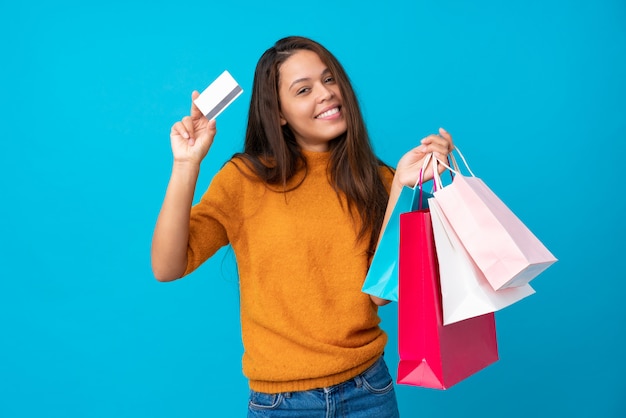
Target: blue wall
[(533, 93)]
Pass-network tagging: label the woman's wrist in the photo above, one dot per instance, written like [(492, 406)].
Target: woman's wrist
[(396, 183), (188, 166)]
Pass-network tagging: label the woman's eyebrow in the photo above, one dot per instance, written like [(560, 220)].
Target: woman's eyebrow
[(299, 80)]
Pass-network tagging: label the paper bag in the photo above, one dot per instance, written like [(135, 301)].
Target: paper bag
[(433, 355), (382, 276), (465, 292), (504, 249)]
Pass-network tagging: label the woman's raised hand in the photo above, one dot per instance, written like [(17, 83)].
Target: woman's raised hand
[(409, 166), (192, 136)]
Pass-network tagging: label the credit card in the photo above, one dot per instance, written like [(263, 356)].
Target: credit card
[(220, 93)]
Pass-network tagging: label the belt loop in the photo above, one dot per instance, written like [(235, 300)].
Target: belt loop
[(358, 380)]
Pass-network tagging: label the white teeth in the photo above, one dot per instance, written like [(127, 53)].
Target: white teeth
[(328, 113)]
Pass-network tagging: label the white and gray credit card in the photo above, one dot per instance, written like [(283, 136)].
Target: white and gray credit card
[(220, 93)]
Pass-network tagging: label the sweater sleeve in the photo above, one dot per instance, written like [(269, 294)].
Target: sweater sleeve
[(211, 222)]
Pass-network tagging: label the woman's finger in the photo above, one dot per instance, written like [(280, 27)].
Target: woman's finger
[(179, 129), (438, 146), (188, 124), (446, 135), (195, 112)]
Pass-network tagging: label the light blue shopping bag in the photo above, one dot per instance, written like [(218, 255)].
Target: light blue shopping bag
[(382, 277)]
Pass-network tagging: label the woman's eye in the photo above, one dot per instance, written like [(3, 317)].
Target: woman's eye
[(329, 79), (302, 90)]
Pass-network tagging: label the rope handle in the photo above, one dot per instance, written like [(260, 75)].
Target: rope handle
[(456, 170)]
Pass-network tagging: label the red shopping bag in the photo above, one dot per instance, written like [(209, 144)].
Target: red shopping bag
[(433, 355)]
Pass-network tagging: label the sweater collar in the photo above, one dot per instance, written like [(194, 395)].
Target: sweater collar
[(316, 159)]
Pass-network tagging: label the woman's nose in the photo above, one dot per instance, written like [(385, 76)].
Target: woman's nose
[(325, 93)]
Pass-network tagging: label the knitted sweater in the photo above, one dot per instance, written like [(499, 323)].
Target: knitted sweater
[(305, 322)]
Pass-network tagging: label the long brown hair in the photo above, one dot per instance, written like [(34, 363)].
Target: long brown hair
[(354, 169)]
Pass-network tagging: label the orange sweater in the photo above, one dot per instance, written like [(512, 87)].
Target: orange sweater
[(305, 322)]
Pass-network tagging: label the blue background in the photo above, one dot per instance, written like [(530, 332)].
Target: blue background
[(533, 93)]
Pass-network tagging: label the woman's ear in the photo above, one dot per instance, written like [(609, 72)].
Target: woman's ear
[(283, 121)]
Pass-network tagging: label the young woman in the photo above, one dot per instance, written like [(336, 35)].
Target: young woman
[(302, 206)]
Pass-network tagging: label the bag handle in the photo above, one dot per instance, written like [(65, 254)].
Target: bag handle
[(420, 182), (455, 170), (436, 177), (455, 165)]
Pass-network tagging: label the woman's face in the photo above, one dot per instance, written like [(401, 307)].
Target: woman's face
[(310, 101)]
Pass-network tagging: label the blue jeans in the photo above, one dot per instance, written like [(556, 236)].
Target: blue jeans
[(369, 394)]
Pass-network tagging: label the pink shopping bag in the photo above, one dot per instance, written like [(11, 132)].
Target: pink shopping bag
[(504, 249), (433, 355), (465, 292)]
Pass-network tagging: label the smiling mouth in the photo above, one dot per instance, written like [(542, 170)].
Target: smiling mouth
[(328, 113)]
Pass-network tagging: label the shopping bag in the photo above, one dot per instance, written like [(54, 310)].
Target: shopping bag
[(433, 355), (504, 249), (465, 291), (382, 277)]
